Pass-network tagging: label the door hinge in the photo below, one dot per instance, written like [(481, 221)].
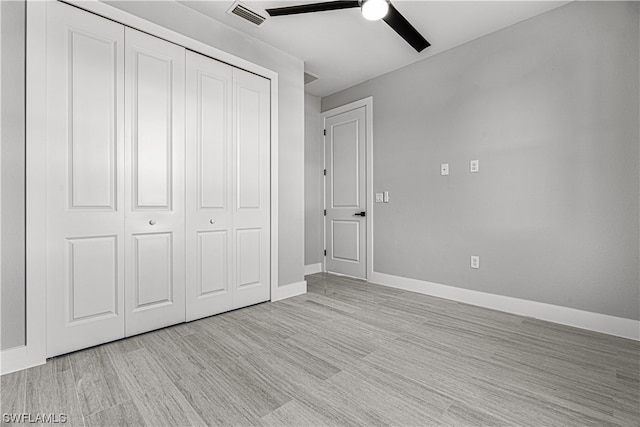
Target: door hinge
[(325, 172), (325, 252), (325, 212), (325, 132)]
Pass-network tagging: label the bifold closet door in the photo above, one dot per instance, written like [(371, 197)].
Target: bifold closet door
[(210, 256), (154, 183), (228, 187), (251, 188), (85, 179)]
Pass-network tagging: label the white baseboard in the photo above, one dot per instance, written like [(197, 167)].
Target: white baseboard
[(289, 291), (312, 269), (17, 359), (618, 326)]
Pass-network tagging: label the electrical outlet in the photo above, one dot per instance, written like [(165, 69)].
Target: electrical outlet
[(379, 197), (475, 261), (444, 169), (474, 166)]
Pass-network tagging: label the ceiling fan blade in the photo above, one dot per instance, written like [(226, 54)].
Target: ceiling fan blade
[(313, 7), (401, 26)]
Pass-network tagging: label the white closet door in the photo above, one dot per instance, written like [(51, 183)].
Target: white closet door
[(251, 187), (85, 209), (209, 194), (154, 171)]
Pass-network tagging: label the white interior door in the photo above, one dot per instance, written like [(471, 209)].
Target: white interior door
[(345, 222), (155, 186), (210, 255), (85, 180), (251, 188)]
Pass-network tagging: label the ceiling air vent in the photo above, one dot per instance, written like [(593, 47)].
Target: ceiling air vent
[(241, 10)]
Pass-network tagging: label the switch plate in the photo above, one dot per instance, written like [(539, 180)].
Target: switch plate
[(386, 197), (475, 261), (379, 197), (444, 169), (474, 166)]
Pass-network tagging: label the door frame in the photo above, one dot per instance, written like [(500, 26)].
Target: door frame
[(33, 353), (367, 103)]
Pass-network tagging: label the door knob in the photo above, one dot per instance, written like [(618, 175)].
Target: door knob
[(152, 222), (212, 221), (360, 214)]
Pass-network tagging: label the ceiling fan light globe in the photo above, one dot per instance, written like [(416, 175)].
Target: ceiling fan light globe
[(374, 9)]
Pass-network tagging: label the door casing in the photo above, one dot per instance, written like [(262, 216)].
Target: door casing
[(367, 103)]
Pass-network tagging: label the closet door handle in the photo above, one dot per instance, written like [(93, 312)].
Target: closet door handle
[(152, 222), (212, 221), (360, 214)]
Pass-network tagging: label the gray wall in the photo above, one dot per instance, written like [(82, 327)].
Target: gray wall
[(313, 183), (12, 215), (179, 18), (550, 107)]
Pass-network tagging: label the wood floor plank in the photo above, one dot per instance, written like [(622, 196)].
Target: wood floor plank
[(294, 413), (122, 414), (158, 400), (13, 389), (50, 390), (97, 384)]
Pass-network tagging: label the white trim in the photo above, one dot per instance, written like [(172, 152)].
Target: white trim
[(618, 326), (368, 104), (312, 269), (34, 353), (18, 358), (289, 291)]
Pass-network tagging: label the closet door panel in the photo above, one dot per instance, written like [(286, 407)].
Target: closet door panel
[(251, 216), (85, 177), (154, 140), (210, 255)]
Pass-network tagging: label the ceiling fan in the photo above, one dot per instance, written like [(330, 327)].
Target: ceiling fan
[(371, 10)]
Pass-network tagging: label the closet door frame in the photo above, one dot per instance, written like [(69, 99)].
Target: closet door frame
[(34, 352)]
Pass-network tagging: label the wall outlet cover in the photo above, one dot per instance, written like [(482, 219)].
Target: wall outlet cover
[(379, 197), (474, 166), (475, 261)]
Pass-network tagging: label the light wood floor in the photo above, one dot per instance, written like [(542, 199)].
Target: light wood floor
[(347, 353)]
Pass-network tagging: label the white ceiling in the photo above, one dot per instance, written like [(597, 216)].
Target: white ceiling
[(344, 49)]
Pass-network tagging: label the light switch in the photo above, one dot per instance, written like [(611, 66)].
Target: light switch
[(474, 166), (444, 169), (379, 197), (386, 197)]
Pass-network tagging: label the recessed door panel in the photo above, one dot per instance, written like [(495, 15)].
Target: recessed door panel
[(345, 167), (153, 262), (248, 147), (154, 172), (344, 234), (85, 179), (249, 248), (213, 140), (93, 84), (93, 278), (212, 262), (152, 92), (345, 193)]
